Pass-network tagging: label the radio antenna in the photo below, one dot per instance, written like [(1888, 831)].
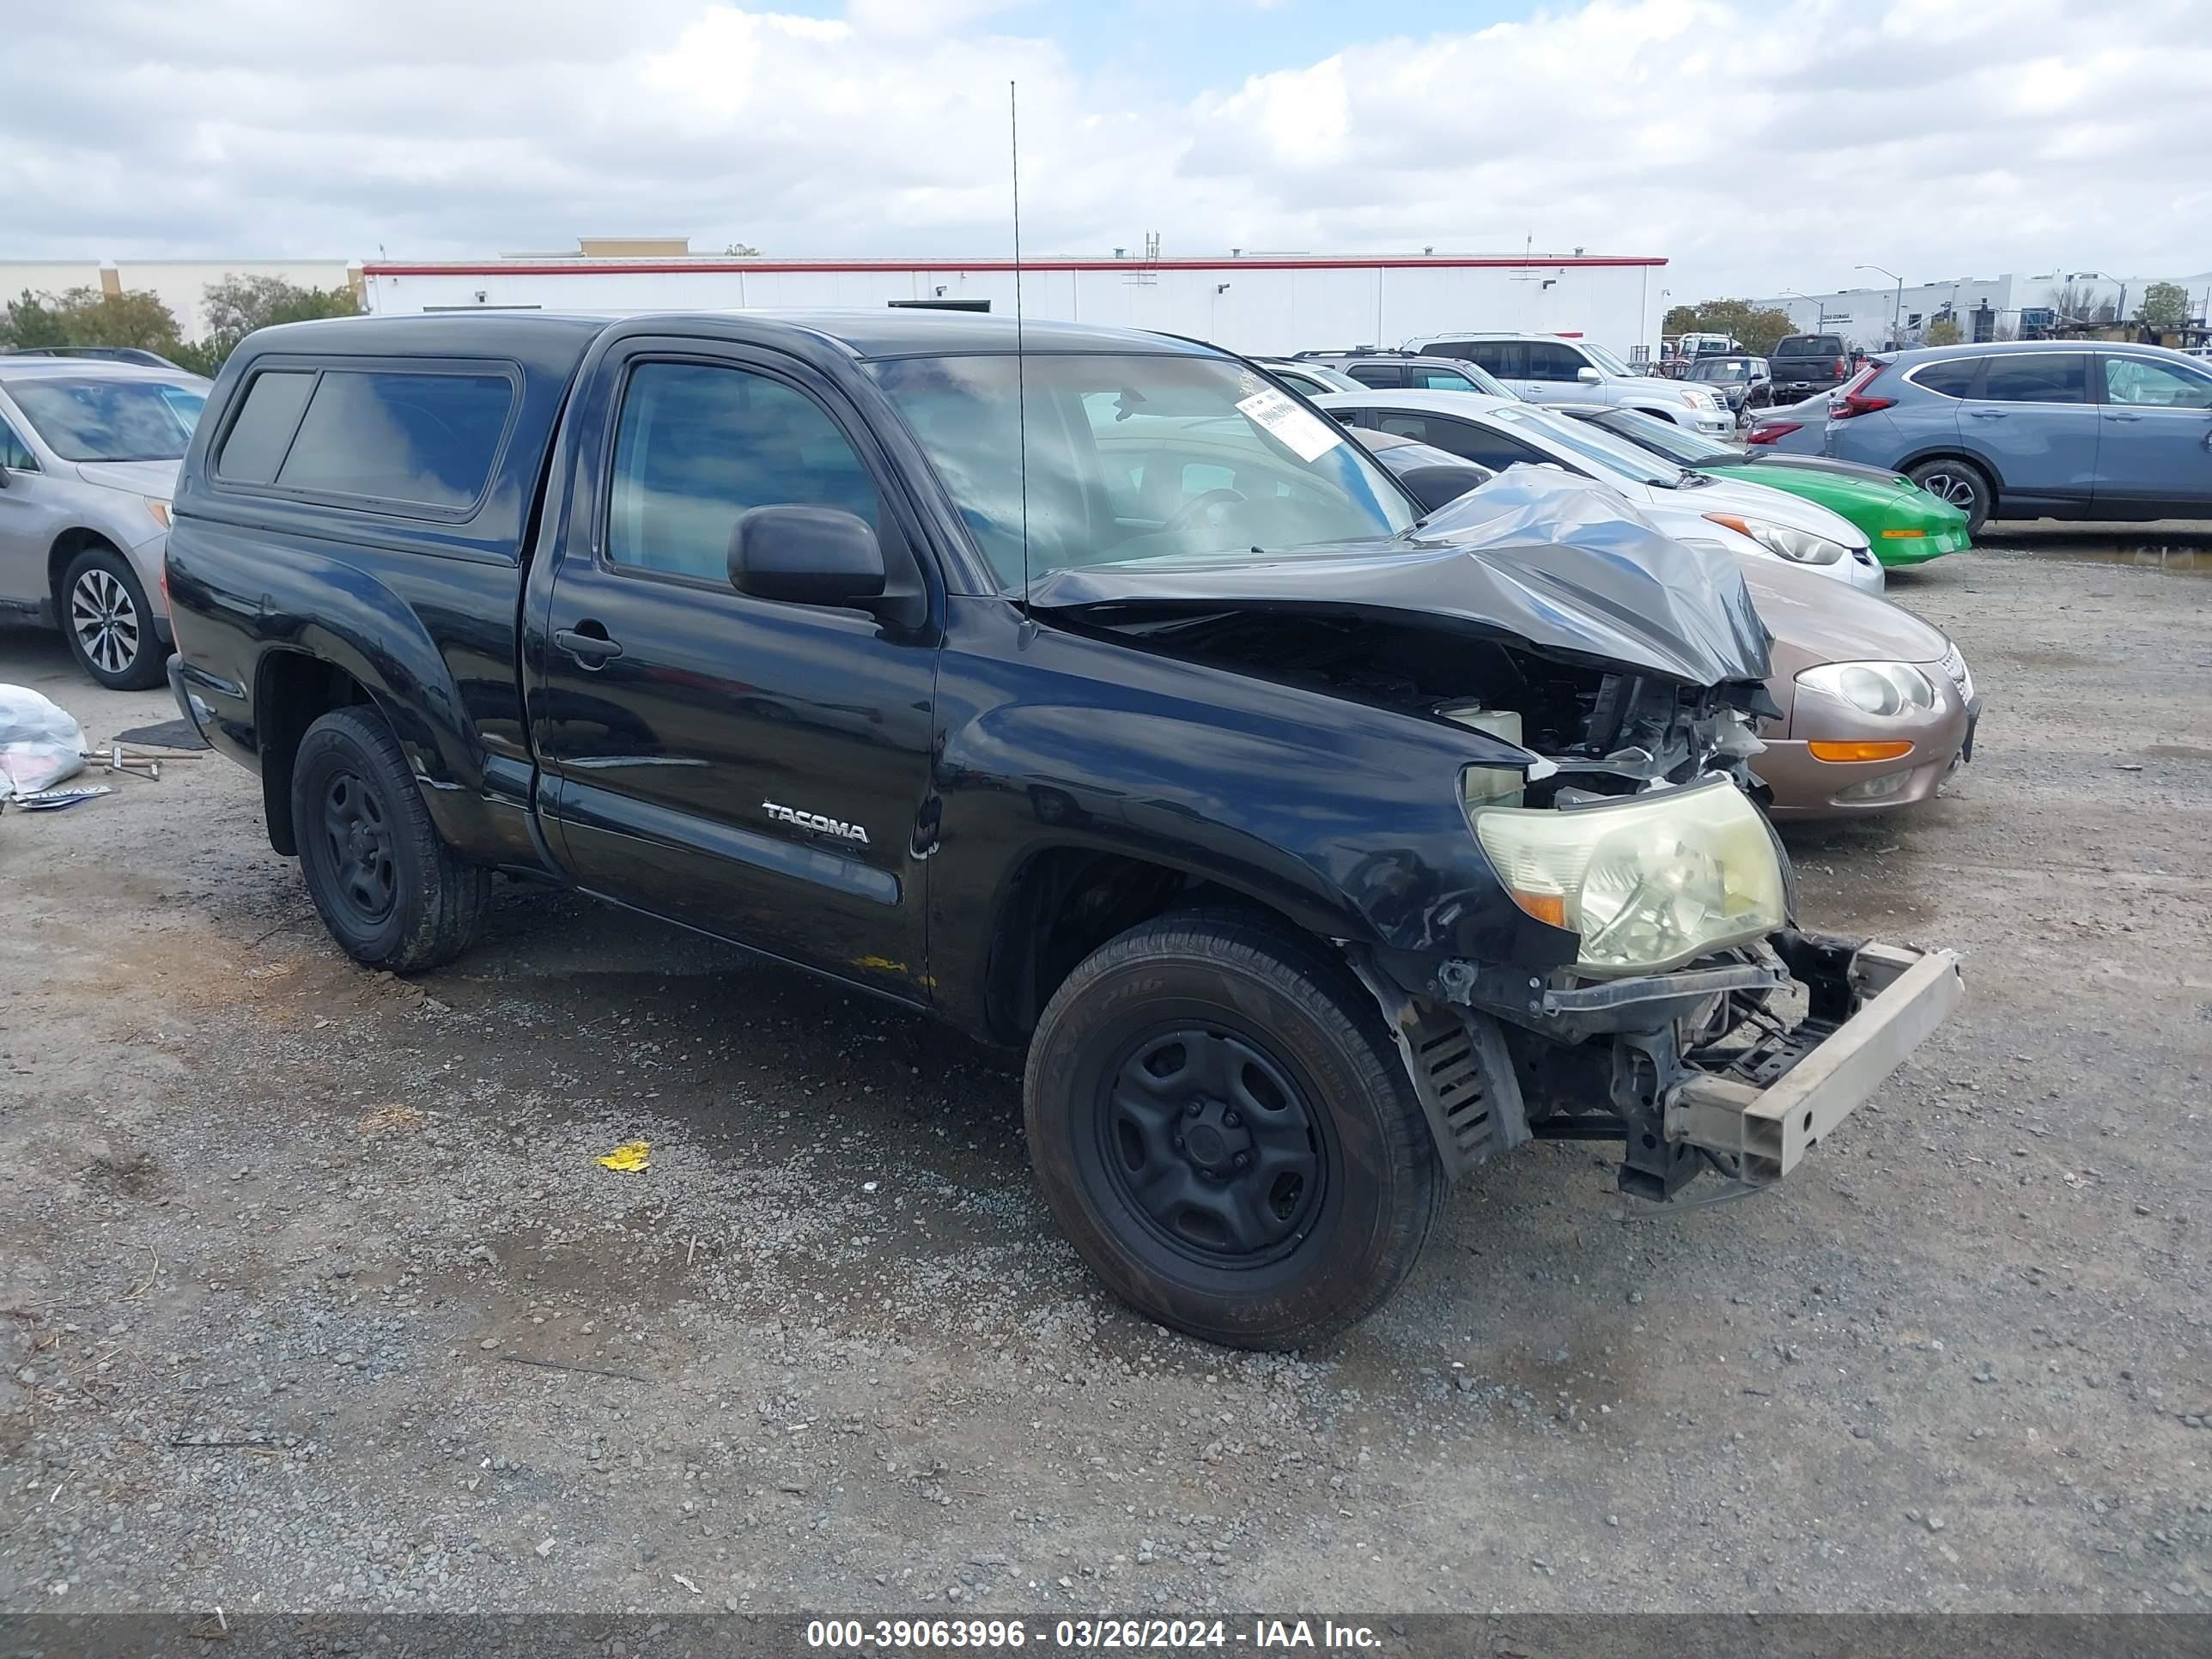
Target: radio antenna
[(1021, 376)]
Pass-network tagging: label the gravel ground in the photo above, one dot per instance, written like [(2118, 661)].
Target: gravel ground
[(312, 1295)]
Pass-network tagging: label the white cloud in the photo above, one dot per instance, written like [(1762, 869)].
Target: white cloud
[(1758, 142)]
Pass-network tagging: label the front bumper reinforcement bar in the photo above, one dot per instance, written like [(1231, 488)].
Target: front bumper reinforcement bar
[(1764, 1132)]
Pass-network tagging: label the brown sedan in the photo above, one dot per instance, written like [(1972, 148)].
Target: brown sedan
[(1877, 707)]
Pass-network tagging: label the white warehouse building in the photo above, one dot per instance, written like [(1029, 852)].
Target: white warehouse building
[(1255, 303), (2006, 307)]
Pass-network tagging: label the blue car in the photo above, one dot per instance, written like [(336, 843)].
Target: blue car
[(2037, 428)]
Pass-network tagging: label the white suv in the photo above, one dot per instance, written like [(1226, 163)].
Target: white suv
[(1541, 368)]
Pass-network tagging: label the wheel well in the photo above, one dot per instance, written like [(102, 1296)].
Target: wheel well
[(66, 547), (291, 693), (1066, 901)]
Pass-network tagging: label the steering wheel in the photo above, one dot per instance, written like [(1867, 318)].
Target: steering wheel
[(1222, 497)]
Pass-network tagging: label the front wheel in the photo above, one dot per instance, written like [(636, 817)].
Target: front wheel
[(109, 624), (1222, 1127), (1957, 484), (391, 892)]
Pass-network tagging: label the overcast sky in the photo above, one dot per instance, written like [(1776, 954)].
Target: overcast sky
[(1760, 145)]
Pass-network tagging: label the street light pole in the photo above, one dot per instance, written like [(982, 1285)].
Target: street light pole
[(1819, 311), (1897, 310)]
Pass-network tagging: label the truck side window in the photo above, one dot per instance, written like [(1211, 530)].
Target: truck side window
[(425, 439), (267, 418), (697, 444)]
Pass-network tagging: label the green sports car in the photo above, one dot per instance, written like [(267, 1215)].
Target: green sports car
[(1904, 523)]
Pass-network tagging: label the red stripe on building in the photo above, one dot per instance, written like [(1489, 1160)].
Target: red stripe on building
[(671, 267)]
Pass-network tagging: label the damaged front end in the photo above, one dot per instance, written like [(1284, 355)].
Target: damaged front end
[(1660, 993), (1537, 609)]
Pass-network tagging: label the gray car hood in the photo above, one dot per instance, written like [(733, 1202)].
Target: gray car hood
[(157, 479), (1536, 554)]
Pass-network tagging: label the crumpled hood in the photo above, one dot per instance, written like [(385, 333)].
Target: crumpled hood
[(1536, 554), (156, 478)]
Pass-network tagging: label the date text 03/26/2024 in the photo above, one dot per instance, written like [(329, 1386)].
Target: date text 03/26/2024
[(1088, 1635)]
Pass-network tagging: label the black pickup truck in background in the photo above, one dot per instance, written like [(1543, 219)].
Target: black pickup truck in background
[(1099, 698), (1802, 364)]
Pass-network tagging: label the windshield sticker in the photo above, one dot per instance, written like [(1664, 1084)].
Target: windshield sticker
[(1306, 437)]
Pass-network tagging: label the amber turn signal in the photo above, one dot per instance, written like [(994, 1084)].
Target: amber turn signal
[(1894, 749), (1545, 907)]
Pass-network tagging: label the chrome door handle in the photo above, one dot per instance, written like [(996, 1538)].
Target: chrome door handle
[(2110, 415), (1989, 413)]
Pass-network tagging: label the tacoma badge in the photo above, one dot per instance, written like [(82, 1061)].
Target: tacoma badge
[(815, 821)]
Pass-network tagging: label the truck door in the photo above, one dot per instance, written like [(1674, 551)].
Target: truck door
[(757, 769)]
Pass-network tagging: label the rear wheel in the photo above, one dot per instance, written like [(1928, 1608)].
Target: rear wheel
[(391, 892), (108, 622), (1222, 1127), (1958, 484)]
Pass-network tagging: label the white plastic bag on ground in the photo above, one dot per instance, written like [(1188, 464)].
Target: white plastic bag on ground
[(40, 744)]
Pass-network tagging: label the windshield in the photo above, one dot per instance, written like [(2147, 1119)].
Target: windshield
[(1726, 369), (1606, 360), (93, 420), (1614, 455), (1663, 437), (1136, 458)]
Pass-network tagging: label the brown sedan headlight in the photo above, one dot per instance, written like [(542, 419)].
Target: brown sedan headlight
[(1885, 689)]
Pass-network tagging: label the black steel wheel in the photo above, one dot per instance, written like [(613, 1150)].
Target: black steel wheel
[(389, 890), (107, 621), (363, 877), (1222, 1126), (1209, 1141)]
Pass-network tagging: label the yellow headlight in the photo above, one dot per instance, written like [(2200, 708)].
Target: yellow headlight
[(1650, 882)]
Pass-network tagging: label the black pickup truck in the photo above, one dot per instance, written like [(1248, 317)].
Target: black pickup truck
[(1802, 364), (1098, 697)]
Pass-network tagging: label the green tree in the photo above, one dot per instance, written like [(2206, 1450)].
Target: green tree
[(86, 317), (1757, 329), (2164, 305), (1943, 331), (30, 321), (237, 306)]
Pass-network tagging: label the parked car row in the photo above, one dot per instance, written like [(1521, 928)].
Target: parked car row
[(1317, 836), (2022, 429), (1534, 369)]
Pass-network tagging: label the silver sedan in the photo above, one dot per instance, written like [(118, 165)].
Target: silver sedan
[(88, 453)]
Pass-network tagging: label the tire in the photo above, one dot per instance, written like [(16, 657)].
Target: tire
[(109, 626), (391, 893), (1186, 1026), (1960, 484)]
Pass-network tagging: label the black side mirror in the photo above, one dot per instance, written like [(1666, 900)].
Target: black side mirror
[(806, 556)]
